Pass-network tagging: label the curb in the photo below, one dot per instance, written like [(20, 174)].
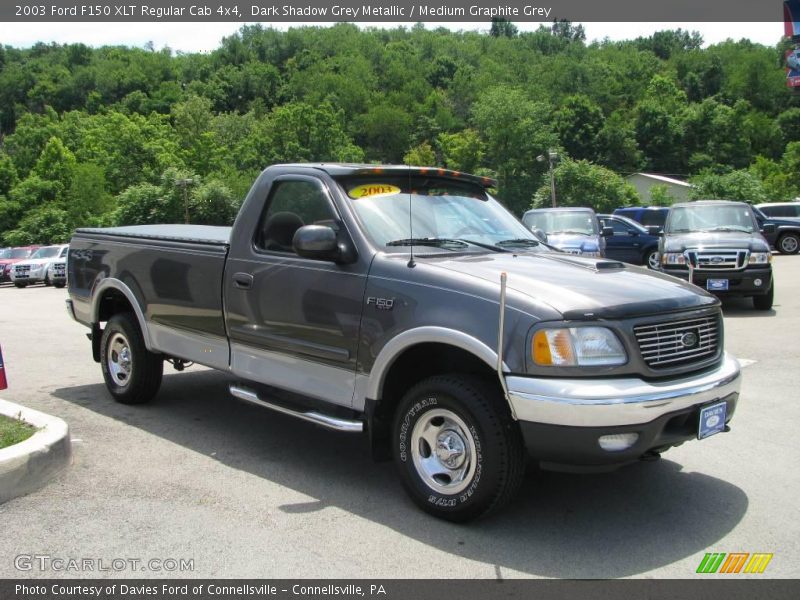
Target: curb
[(29, 465)]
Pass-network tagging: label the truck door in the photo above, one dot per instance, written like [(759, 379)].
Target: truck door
[(293, 322), (624, 245)]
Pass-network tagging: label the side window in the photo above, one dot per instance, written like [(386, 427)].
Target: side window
[(654, 217), (795, 208), (618, 226), (291, 205)]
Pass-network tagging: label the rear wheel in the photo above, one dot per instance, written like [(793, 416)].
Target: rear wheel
[(132, 373), (459, 453), (59, 284), (788, 243), (20, 284), (765, 302)]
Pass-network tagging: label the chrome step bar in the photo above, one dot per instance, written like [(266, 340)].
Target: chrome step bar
[(329, 422)]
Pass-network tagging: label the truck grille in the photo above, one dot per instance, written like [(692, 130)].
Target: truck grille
[(717, 260), (676, 343), (23, 268)]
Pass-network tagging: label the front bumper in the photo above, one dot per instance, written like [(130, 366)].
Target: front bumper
[(740, 283), (562, 419)]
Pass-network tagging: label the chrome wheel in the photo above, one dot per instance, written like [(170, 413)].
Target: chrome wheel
[(652, 260), (443, 451), (788, 244), (118, 359)]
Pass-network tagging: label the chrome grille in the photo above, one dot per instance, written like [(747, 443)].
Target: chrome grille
[(718, 259), (675, 343), (22, 268)]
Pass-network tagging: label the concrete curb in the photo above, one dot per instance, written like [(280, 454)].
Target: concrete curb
[(29, 465)]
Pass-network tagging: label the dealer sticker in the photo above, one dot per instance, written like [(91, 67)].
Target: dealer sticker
[(373, 190)]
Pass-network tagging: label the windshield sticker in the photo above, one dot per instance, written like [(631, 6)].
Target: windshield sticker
[(372, 190)]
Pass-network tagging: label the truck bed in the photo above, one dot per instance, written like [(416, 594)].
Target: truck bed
[(174, 272)]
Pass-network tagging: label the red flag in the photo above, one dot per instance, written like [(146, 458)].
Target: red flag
[(3, 382)]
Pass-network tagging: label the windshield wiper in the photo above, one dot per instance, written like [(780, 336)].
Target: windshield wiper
[(726, 228), (429, 241), (569, 231), (518, 242), (443, 242)]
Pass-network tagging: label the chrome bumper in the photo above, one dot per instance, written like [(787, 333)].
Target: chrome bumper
[(621, 401)]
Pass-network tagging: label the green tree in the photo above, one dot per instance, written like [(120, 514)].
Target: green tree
[(212, 203), (581, 183), (42, 225), (660, 196), (420, 155), (737, 185), (462, 151), (578, 123)]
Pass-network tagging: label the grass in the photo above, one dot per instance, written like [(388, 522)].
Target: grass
[(14, 431)]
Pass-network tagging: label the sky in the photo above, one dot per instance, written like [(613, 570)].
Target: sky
[(204, 37)]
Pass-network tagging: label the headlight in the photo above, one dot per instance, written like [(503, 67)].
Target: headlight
[(760, 258), (673, 258), (585, 346)]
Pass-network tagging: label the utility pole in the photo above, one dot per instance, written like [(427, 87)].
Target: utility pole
[(185, 183), (551, 158)]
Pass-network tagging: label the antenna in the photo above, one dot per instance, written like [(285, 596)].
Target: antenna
[(411, 263)]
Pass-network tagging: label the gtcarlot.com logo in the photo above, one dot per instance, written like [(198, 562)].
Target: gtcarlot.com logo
[(734, 562)]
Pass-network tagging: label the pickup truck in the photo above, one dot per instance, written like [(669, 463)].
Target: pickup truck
[(718, 245), (408, 304)]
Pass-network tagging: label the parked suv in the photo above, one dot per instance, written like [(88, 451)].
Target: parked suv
[(781, 210), (785, 237), (11, 256), (34, 269), (717, 245), (649, 216), (571, 230)]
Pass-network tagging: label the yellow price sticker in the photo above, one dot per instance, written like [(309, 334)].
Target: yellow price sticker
[(371, 190)]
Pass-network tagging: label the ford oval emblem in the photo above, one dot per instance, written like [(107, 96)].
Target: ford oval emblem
[(717, 259), (712, 421), (689, 339)]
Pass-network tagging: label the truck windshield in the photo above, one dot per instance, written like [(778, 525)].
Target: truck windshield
[(710, 217), (581, 222), (48, 252), (441, 210)]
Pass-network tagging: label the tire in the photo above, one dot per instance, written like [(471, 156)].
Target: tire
[(469, 421), (788, 243), (46, 280), (59, 285), (765, 302), (19, 284), (131, 372), (650, 259)]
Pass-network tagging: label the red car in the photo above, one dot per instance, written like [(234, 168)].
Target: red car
[(9, 256)]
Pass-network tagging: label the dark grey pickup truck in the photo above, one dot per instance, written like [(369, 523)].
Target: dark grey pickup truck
[(407, 303)]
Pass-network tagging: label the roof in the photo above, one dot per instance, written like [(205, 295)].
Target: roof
[(561, 209), (662, 179), (789, 203), (356, 169), (709, 202)]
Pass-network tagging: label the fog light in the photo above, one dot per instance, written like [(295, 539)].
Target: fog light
[(617, 441), (757, 282)]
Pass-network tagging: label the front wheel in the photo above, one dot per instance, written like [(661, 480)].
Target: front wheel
[(458, 451), (20, 284), (651, 259), (789, 243), (132, 373)]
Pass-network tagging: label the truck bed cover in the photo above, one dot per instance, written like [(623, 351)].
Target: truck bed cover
[(203, 234)]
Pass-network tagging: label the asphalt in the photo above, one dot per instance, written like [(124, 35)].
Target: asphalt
[(243, 492)]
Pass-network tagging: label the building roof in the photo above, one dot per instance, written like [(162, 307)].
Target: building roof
[(662, 179)]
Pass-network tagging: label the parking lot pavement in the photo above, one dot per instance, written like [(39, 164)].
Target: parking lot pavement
[(242, 491)]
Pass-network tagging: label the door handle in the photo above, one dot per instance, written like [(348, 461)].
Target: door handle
[(243, 281)]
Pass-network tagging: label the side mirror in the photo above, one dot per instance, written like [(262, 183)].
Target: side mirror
[(540, 234), (317, 242), (655, 230), (768, 228), (633, 233), (607, 232)]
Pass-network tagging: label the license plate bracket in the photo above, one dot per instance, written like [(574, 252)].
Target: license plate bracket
[(716, 285), (712, 419)]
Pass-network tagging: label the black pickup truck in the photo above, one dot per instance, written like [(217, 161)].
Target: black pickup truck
[(718, 245), (408, 303)]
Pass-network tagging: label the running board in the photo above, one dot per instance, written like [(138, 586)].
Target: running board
[(329, 422)]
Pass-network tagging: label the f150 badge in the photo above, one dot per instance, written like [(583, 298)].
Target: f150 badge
[(381, 303)]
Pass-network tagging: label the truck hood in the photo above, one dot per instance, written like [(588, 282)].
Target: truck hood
[(678, 242), (582, 288)]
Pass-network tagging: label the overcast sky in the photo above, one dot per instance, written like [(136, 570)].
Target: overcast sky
[(194, 37)]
